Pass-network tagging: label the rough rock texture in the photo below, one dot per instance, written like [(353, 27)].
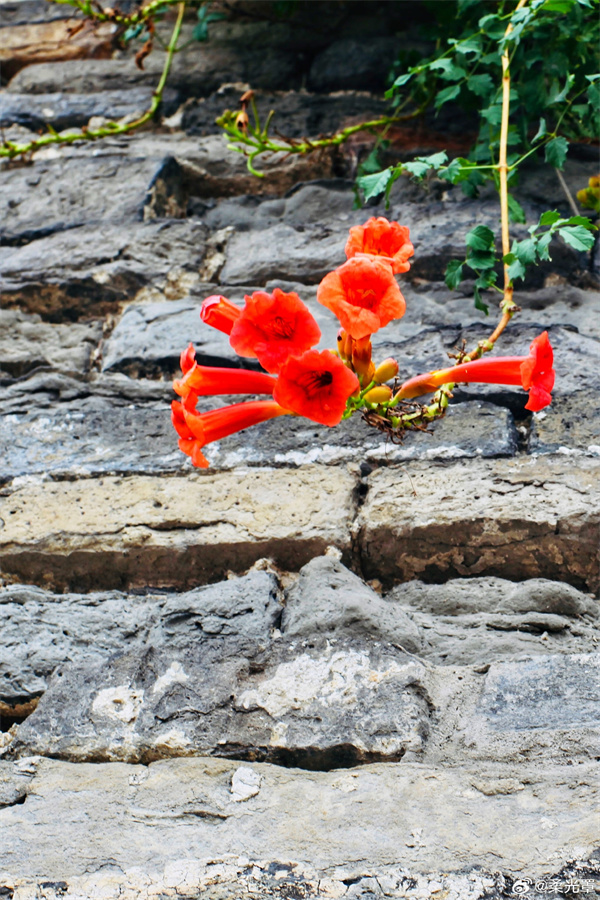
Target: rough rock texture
[(351, 668)]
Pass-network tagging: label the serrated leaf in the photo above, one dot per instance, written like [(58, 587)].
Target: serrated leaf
[(374, 185), (516, 270), (454, 274), (492, 25), (447, 94), (449, 70), (541, 132), (525, 251), (481, 85), (556, 95), (549, 218), (480, 238), (582, 220), (493, 114), (481, 259), (543, 245), (516, 212), (556, 152), (422, 164), (479, 304), (467, 46), (577, 236)]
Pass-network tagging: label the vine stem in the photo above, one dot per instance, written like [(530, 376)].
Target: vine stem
[(503, 169), (10, 150)]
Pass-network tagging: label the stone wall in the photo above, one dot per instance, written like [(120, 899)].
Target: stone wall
[(329, 666)]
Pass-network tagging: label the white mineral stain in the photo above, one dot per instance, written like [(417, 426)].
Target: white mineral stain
[(175, 674), (333, 681), (245, 783), (120, 703)]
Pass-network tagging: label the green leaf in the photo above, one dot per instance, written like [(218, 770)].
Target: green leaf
[(516, 212), (493, 114), (525, 251), (422, 164), (480, 238), (450, 71), (402, 79), (543, 245), (482, 283), (549, 218), (454, 274), (481, 85), (516, 270), (582, 220), (577, 236), (447, 94), (467, 46), (557, 96), (559, 6), (374, 185), (492, 25), (556, 152), (480, 259), (541, 132)]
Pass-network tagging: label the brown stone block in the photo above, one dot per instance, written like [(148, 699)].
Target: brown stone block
[(177, 532), (514, 518), (40, 42)]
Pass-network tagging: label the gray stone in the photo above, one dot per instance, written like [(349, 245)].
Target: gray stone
[(317, 704), (297, 114), (513, 518), (469, 430), (26, 343), (329, 598), (43, 631), (90, 270), (475, 621), (66, 110), (55, 391), (178, 826), (39, 200), (353, 65), (543, 708)]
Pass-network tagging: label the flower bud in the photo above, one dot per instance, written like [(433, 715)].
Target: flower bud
[(361, 358), (386, 370), (380, 394), (344, 345), (242, 121)]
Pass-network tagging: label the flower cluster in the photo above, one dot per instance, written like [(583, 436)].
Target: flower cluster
[(279, 331)]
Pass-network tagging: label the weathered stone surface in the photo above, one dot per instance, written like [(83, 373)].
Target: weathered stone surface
[(101, 434), (350, 64), (316, 704), (54, 40), (521, 518), (143, 531), (66, 110), (327, 598), (52, 390), (543, 708), (475, 621), (300, 114), (177, 826), (43, 631), (26, 343), (90, 270)]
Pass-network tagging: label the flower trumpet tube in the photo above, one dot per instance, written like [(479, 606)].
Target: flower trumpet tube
[(195, 430), (207, 381), (218, 312), (534, 373)]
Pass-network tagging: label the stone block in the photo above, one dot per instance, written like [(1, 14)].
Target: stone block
[(144, 531), (27, 343), (516, 519), (178, 825), (316, 704), (44, 631)]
